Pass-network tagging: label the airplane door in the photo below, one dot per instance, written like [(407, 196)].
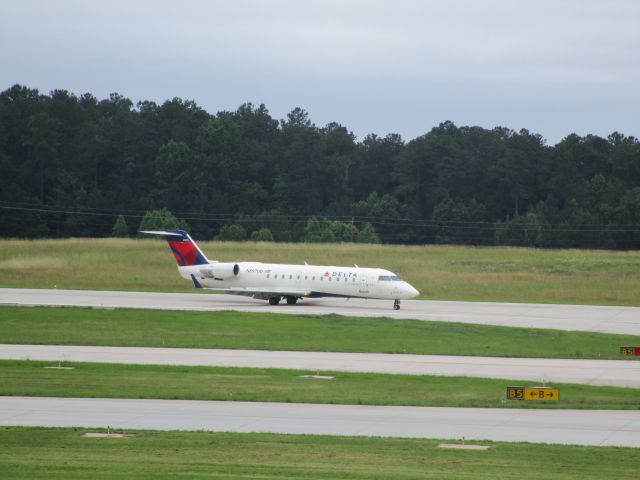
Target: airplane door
[(364, 286)]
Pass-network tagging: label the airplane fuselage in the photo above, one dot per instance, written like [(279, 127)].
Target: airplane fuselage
[(305, 280), (275, 282)]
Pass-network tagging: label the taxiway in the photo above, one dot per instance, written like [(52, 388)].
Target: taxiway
[(622, 320), (582, 427), (620, 373)]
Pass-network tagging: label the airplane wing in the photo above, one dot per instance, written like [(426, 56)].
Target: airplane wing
[(267, 293), (261, 293)]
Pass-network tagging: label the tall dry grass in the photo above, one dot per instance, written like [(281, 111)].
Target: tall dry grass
[(438, 271)]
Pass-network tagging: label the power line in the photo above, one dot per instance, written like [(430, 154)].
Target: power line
[(235, 217), (450, 225)]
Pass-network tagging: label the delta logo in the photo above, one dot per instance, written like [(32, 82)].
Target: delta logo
[(340, 274)]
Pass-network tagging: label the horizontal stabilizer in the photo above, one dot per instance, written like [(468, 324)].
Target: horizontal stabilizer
[(163, 233)]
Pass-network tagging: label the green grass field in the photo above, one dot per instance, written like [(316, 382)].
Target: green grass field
[(28, 378), (439, 272), (332, 333), (63, 453)]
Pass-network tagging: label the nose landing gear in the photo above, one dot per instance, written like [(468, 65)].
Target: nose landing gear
[(396, 304)]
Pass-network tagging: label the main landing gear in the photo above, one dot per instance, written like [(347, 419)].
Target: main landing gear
[(396, 304), (291, 300)]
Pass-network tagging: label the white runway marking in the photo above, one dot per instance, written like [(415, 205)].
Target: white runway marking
[(582, 427), (621, 373), (622, 320)]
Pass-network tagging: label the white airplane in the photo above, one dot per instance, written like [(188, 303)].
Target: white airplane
[(275, 281)]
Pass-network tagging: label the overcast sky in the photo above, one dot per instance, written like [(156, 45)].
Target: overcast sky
[(554, 67)]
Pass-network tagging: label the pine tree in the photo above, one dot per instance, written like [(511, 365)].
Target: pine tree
[(367, 234), (262, 235), (161, 219), (232, 233), (120, 228)]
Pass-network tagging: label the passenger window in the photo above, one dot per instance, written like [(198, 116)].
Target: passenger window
[(298, 277), (313, 278), (268, 275), (290, 277), (305, 277)]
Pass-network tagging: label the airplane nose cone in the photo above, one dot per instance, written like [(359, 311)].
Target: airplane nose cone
[(410, 291)]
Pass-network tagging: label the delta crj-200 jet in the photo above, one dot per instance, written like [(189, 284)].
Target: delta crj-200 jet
[(275, 281)]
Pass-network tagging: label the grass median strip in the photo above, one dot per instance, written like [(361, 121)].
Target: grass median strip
[(331, 333), (29, 378), (63, 453)]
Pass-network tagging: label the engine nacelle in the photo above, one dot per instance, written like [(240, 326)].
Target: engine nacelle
[(222, 271)]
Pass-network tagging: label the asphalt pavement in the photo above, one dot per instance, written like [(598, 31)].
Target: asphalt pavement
[(585, 427), (620, 373), (580, 427), (623, 320)]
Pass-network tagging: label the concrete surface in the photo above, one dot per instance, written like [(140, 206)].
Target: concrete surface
[(621, 373), (624, 320), (583, 427)]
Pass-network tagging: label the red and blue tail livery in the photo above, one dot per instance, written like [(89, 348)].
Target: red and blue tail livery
[(184, 249)]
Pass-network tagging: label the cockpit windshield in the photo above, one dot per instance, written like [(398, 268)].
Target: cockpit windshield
[(389, 278)]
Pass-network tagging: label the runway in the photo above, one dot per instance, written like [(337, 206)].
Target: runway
[(620, 373), (581, 427), (621, 320)]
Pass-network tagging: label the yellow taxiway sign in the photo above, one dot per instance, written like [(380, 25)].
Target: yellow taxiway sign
[(533, 393)]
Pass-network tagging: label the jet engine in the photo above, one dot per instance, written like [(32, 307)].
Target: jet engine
[(222, 271)]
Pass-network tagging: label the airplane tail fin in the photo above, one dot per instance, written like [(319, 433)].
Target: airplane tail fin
[(182, 246)]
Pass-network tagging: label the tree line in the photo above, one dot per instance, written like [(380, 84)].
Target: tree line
[(71, 165)]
